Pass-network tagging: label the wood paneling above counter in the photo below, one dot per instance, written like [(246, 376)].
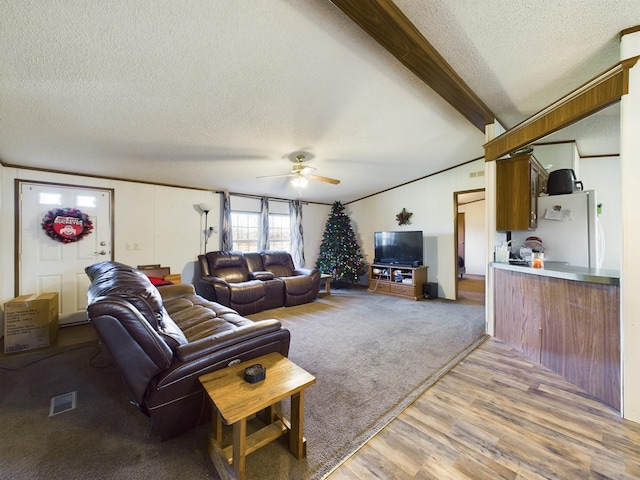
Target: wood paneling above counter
[(596, 94)]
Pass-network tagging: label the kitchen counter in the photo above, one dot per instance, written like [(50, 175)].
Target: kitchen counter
[(567, 318), (564, 271)]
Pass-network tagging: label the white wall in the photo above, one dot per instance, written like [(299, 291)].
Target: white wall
[(475, 238), (431, 202), (314, 219), (165, 222), (556, 156), (630, 283)]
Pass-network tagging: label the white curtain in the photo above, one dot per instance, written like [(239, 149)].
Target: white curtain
[(297, 238), (263, 239), (226, 233)]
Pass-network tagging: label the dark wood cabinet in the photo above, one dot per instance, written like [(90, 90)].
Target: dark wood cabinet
[(571, 327), (519, 182)]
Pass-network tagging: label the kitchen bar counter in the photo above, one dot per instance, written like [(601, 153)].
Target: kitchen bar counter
[(566, 318), (566, 272)]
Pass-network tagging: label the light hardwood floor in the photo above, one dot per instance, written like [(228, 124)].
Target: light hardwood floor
[(499, 415)]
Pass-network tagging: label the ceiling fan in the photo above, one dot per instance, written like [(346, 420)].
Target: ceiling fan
[(301, 174)]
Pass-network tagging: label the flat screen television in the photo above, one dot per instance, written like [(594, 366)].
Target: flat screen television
[(402, 248)]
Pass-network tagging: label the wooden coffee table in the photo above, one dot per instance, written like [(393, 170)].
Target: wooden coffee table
[(234, 400)]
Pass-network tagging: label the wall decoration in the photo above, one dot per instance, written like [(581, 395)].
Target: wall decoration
[(66, 225), (403, 218)]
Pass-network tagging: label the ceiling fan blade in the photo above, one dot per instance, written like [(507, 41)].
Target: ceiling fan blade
[(302, 172), (274, 176), (332, 181), (301, 169)]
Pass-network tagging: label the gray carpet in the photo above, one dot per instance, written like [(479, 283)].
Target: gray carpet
[(372, 356)]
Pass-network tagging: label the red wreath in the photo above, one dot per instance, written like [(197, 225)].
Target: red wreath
[(66, 225)]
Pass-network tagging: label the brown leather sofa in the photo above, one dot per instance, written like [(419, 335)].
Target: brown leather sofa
[(162, 339), (256, 281)]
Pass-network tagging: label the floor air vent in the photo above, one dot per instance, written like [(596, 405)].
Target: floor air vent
[(62, 403)]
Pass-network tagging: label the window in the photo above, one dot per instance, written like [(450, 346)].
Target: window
[(279, 232), (49, 198), (85, 201), (82, 201), (246, 231)]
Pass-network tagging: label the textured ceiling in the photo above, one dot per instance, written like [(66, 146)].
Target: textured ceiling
[(214, 94), (520, 56)]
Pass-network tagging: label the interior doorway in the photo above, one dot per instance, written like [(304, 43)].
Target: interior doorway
[(470, 244)]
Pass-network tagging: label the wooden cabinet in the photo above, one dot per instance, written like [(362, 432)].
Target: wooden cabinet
[(518, 321), (569, 326), (519, 182), (404, 282)]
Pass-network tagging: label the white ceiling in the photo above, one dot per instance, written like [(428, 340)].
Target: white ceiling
[(213, 94)]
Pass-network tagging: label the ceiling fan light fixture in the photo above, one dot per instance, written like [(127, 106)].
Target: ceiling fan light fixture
[(301, 174), (299, 182)]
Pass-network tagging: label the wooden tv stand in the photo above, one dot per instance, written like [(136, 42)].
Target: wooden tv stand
[(384, 279)]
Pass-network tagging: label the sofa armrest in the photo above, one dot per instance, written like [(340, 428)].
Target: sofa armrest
[(213, 280), (169, 292), (261, 275), (306, 271), (205, 346), (181, 379), (215, 289)]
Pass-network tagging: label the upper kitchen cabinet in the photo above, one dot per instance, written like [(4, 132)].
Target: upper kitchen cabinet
[(519, 182)]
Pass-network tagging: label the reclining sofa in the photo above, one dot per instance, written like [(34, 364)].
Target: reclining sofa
[(257, 281), (162, 339)]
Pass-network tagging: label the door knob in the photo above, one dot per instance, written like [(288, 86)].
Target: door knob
[(101, 252)]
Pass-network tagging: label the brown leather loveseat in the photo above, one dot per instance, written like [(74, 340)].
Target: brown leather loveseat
[(256, 281), (162, 339)]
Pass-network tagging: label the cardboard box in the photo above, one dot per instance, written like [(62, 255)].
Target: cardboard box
[(30, 321)]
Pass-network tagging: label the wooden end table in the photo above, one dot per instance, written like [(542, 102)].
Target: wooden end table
[(327, 282), (234, 400)]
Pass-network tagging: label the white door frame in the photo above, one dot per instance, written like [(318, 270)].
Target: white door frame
[(19, 184)]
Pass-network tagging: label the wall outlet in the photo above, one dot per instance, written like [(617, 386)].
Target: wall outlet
[(129, 246), (136, 246)]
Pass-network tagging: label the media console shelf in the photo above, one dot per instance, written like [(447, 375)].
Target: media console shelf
[(406, 282)]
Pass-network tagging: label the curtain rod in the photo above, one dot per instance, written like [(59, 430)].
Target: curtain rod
[(258, 197)]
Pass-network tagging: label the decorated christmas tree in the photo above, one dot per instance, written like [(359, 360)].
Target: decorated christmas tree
[(340, 253)]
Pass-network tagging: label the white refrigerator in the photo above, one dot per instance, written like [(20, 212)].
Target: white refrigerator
[(570, 229)]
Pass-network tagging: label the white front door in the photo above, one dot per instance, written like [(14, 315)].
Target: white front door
[(47, 264)]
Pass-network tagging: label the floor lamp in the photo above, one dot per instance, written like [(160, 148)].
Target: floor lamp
[(206, 208)]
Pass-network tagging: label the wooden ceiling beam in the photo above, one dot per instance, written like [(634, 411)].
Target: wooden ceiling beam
[(598, 93), (384, 21)]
